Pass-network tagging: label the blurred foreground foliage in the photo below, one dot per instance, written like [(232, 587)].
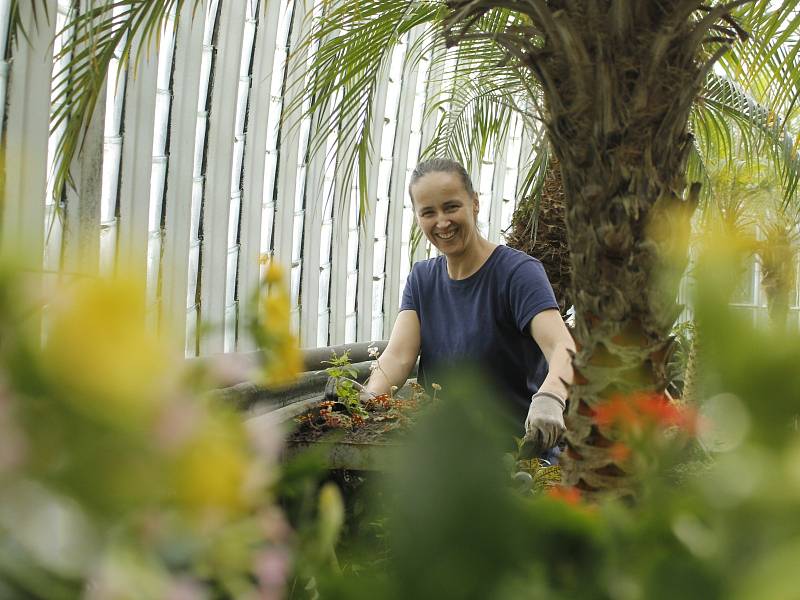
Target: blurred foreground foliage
[(715, 517), (120, 478)]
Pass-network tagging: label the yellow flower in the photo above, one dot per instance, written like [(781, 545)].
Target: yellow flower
[(100, 356), (273, 273), (284, 363), (211, 469), (331, 517), (275, 313), (283, 359)]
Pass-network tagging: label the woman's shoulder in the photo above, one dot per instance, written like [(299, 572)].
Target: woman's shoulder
[(428, 265), (510, 259), (427, 269)]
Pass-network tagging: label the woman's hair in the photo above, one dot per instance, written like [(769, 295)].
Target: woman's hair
[(440, 165)]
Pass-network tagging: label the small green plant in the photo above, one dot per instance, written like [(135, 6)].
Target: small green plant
[(347, 392), (684, 334), (340, 366), (345, 407)]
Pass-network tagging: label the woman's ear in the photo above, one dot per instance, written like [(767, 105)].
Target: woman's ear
[(476, 205)]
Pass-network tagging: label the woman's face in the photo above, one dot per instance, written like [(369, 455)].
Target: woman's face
[(446, 212)]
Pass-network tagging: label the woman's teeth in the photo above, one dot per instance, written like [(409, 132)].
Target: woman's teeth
[(446, 236)]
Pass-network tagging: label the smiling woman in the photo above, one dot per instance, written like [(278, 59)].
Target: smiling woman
[(478, 303), (446, 207)]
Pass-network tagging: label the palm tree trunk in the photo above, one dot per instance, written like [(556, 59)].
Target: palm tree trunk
[(628, 232), (778, 271), (539, 229), (619, 80)]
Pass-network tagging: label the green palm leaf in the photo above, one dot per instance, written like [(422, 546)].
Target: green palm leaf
[(355, 45), (40, 10), (726, 115), (129, 27)]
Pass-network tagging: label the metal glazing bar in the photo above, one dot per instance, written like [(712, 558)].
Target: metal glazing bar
[(329, 200), (498, 176), (253, 190), (137, 161), (5, 14), (386, 170), (395, 255), (218, 177), (243, 97), (367, 231), (27, 130), (183, 123), (415, 147), (288, 208)]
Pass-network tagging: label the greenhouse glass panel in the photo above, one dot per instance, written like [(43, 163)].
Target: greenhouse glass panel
[(322, 328), (350, 328), (194, 266), (230, 273), (233, 221), (352, 288), (745, 291), (231, 318), (297, 236), (294, 286)]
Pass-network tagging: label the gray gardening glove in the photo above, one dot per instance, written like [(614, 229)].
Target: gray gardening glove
[(545, 421)]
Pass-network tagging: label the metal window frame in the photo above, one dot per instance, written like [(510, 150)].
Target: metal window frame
[(27, 133), (180, 180), (254, 167), (216, 205)]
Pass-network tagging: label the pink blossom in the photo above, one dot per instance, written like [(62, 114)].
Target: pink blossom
[(272, 568)]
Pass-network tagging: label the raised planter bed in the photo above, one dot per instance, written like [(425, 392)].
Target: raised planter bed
[(365, 448)]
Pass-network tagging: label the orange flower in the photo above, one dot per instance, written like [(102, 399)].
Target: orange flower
[(569, 495), (644, 410), (620, 452), (616, 411)]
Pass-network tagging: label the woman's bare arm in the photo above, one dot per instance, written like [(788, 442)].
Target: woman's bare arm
[(400, 355), (553, 337)]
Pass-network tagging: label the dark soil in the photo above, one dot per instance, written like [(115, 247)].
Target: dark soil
[(383, 421), (371, 432)]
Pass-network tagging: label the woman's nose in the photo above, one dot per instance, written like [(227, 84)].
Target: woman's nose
[(443, 222)]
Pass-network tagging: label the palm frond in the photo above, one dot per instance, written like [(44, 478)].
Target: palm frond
[(129, 27), (39, 9), (354, 46), (769, 62), (477, 116), (726, 115), (697, 170), (483, 91)]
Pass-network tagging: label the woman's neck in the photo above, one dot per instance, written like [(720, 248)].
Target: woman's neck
[(467, 263)]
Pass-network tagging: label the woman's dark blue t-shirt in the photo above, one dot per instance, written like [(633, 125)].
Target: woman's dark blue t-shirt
[(483, 320)]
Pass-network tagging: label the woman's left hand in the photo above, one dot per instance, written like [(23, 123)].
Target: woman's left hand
[(546, 415)]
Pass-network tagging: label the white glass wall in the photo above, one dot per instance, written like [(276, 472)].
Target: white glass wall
[(233, 176)]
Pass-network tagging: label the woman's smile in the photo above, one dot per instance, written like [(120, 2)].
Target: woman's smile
[(446, 236)]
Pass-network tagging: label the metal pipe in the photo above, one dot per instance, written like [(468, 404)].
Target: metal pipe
[(244, 393), (315, 359)]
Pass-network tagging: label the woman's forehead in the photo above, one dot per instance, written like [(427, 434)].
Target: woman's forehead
[(439, 183)]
